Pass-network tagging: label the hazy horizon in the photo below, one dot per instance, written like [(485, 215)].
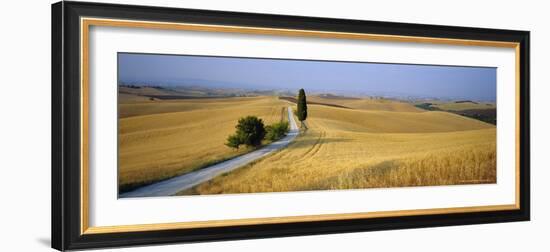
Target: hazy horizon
[(449, 82)]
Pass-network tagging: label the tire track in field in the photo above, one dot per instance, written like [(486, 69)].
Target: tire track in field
[(319, 145), (315, 147)]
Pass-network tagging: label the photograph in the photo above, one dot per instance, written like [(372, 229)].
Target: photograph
[(200, 125)]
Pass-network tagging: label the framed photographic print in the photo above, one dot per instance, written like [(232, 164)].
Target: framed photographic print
[(180, 125)]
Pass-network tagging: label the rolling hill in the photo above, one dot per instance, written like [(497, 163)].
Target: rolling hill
[(360, 103), (351, 143), (349, 149), (162, 139)]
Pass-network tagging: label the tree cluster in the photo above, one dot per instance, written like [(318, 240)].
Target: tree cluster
[(250, 131)]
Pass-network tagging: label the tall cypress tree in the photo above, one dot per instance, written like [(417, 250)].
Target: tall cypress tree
[(302, 107)]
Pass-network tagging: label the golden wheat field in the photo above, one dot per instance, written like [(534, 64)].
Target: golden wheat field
[(162, 139), (371, 143), (358, 148)]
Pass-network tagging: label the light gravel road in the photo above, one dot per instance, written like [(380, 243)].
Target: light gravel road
[(176, 184)]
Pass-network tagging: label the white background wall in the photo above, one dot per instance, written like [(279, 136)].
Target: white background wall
[(25, 125)]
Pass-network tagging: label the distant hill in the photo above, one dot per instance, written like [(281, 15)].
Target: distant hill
[(143, 90), (486, 112), (365, 103), (293, 100), (332, 96), (193, 92)]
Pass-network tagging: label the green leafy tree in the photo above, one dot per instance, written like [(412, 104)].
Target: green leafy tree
[(276, 131), (301, 112), (234, 141), (250, 131)]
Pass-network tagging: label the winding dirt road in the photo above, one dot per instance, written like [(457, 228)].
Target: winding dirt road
[(176, 184)]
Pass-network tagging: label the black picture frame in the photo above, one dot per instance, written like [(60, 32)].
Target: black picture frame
[(66, 114)]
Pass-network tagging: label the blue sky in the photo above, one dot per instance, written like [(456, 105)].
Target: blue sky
[(475, 83)]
